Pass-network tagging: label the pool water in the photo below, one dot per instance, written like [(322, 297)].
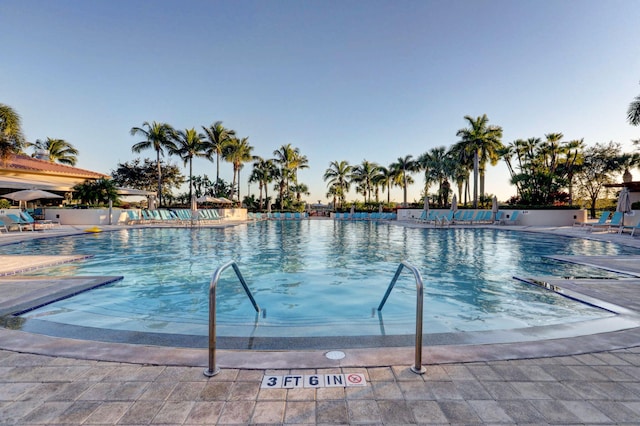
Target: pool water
[(316, 278)]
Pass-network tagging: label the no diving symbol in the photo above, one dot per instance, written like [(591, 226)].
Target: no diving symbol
[(355, 379)]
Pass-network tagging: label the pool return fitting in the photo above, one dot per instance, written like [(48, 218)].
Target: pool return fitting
[(213, 369), (417, 367)]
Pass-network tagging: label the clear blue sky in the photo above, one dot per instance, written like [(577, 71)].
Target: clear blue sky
[(340, 80)]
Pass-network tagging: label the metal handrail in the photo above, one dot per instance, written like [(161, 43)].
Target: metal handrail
[(213, 370), (417, 367)]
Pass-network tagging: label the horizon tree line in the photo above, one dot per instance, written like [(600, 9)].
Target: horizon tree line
[(539, 169), (217, 142)]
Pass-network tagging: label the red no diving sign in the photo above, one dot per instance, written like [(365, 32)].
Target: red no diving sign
[(293, 381)]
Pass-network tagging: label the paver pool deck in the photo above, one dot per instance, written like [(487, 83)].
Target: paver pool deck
[(592, 379)]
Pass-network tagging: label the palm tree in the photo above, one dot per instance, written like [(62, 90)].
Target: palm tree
[(633, 113), (237, 152), (158, 136), (11, 137), (573, 159), (263, 172), (58, 150), (299, 189), (438, 166), (485, 142), (403, 166), (189, 144), (365, 174), (217, 136), (337, 177), (463, 158), (290, 161), (386, 178)]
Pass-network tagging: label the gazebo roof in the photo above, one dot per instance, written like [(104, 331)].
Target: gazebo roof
[(632, 186)]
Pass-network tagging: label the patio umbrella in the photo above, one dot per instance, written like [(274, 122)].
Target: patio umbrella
[(624, 203), (223, 200), (494, 207), (30, 195), (454, 203), (207, 199), (426, 207)]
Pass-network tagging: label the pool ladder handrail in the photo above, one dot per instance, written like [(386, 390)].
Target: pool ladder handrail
[(417, 367), (213, 369)]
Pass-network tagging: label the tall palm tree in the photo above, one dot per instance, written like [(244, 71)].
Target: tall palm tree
[(337, 177), (263, 172), (11, 137), (216, 137), (385, 179), (189, 144), (463, 157), (58, 150), (485, 142), (404, 166), (237, 152), (159, 137), (290, 160), (633, 113), (365, 174), (437, 166)]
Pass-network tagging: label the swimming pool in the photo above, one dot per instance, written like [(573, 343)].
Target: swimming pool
[(313, 279)]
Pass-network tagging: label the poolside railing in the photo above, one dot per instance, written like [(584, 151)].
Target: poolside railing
[(212, 370), (417, 367)]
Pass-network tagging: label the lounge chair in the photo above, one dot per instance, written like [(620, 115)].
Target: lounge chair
[(44, 224), (3, 226), (498, 217), (511, 219), (423, 216), (446, 219), (477, 217), (10, 220), (132, 217), (632, 228), (466, 217), (487, 217), (616, 221), (601, 220)]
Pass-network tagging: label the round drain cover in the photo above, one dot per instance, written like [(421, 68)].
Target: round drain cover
[(335, 355)]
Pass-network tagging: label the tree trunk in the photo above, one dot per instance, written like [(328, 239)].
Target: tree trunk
[(475, 179), (159, 179)]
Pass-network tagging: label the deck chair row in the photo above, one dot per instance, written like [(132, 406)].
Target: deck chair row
[(22, 221), (467, 217), (175, 217), (365, 216), (615, 224)]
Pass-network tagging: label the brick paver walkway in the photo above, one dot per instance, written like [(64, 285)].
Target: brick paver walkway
[(599, 388)]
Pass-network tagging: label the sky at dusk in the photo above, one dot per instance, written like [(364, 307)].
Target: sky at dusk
[(340, 80)]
